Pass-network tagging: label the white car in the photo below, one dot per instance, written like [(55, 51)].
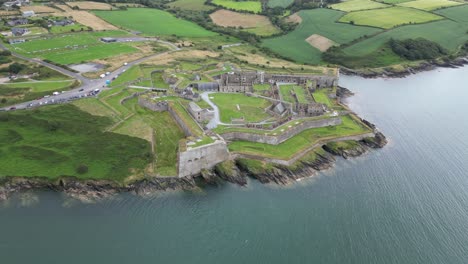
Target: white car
[(125, 64)]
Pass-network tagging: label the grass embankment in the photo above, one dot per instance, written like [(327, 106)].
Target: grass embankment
[(321, 96), (288, 90), (301, 141), (154, 22), (56, 141), (231, 106)]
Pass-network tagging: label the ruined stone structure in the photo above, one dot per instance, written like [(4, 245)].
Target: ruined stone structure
[(198, 113), (310, 109), (288, 133)]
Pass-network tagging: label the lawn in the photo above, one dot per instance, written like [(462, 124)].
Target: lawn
[(450, 34), (316, 21), (56, 140), (300, 142), (252, 109), (67, 28), (194, 5), (355, 5), (286, 93), (251, 6), (261, 87), (430, 5), (279, 3), (389, 17), (129, 75), (153, 22)]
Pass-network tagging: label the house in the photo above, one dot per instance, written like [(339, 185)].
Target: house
[(19, 31), (63, 22), (17, 21), (108, 40), (10, 4), (29, 13)]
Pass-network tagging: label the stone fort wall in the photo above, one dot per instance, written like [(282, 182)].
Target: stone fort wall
[(287, 134), (194, 160)]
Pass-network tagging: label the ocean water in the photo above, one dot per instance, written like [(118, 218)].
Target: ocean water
[(406, 203)]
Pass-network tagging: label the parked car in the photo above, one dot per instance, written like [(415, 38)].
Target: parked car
[(80, 90)]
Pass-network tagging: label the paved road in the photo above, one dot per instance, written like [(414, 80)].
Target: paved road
[(87, 86)]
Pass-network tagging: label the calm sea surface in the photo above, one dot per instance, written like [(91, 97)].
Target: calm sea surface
[(406, 203)]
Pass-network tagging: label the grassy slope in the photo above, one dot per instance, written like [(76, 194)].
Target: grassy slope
[(54, 140), (317, 21), (450, 34), (251, 108), (389, 17), (299, 142), (153, 22)]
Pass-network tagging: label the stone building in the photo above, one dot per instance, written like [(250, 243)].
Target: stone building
[(198, 113)]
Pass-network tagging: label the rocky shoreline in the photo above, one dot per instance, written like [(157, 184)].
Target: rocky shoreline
[(95, 190), (391, 72)]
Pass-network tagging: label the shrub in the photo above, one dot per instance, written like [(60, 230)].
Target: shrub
[(417, 49), (82, 169)]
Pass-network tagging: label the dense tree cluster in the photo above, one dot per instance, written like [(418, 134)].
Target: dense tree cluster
[(417, 49)]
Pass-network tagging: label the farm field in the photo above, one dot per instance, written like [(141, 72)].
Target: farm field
[(256, 24), (252, 109), (280, 3), (356, 5), (389, 17), (316, 21), (86, 18), (300, 142), (252, 6), (57, 140), (448, 33), (39, 9), (430, 5), (88, 5), (393, 1), (195, 5), (153, 22), (67, 29)]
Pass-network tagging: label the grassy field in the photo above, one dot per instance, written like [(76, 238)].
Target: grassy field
[(259, 25), (251, 108), (194, 5), (389, 17), (89, 53), (356, 5), (316, 21), (285, 91), (261, 87), (300, 142), (252, 6), (393, 1), (153, 22), (429, 5), (450, 34), (12, 93), (56, 140), (280, 3), (67, 28)]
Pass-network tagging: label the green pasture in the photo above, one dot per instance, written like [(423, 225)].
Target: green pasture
[(430, 5), (389, 17), (194, 5), (279, 3), (356, 5), (153, 22), (264, 30), (252, 6), (450, 34), (300, 142), (67, 28), (393, 1), (316, 21), (55, 140), (251, 108)]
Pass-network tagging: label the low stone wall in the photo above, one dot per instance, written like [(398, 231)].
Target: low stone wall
[(287, 134), (301, 154), (192, 161)]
